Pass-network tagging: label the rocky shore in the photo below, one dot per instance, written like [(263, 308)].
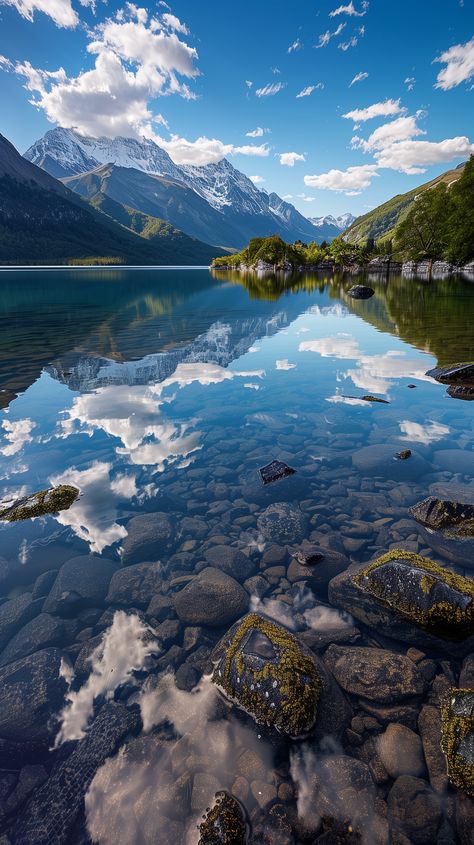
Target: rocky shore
[(408, 269)]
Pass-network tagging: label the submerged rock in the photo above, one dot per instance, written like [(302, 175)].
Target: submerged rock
[(283, 523), (404, 455), (460, 391), (41, 504), (448, 528), (274, 471), (375, 673), (455, 374), (457, 737), (369, 398), (360, 292), (148, 535), (269, 674), (211, 598), (81, 582), (224, 823), (411, 598)]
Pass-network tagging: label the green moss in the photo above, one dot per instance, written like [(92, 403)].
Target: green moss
[(422, 592), (457, 737), (282, 692), (224, 823), (40, 504)]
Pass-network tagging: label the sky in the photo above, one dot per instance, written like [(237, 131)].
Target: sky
[(335, 106)]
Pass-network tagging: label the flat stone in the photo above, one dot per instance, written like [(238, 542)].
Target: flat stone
[(375, 674), (231, 561), (413, 811), (133, 586), (275, 471), (283, 522), (211, 598), (148, 536), (400, 751), (81, 582)]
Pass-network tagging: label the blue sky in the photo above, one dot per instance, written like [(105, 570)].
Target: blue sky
[(386, 88)]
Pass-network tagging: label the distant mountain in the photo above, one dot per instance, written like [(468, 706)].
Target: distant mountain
[(216, 202), (330, 227), (43, 222), (382, 221)]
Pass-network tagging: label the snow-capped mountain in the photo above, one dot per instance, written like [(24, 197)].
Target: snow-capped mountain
[(243, 210), (342, 222)]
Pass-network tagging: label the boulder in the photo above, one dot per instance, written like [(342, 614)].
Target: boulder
[(16, 612), (148, 535), (211, 598), (461, 391), (375, 673), (457, 737), (231, 561), (360, 292), (400, 751), (378, 460), (42, 631), (455, 460), (81, 582), (134, 586), (411, 598), (454, 374), (41, 504), (283, 522), (414, 811), (31, 693), (448, 528), (319, 573), (224, 823), (429, 726), (269, 674)]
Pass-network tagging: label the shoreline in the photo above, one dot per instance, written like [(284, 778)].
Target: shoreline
[(5, 267)]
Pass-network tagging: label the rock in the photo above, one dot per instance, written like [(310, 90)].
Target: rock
[(464, 818), (44, 502), (257, 586), (404, 455), (457, 737), (466, 677), (400, 751), (360, 292), (269, 674), (81, 582), (148, 536), (224, 823), (373, 673), (411, 598), (231, 561), (454, 374), (274, 471), (429, 724), (211, 598), (319, 573), (186, 677), (160, 607), (16, 612), (263, 792), (31, 777), (204, 786), (378, 460), (32, 692), (414, 811), (448, 527), (283, 523), (459, 391), (43, 584), (54, 807), (455, 460), (42, 631), (133, 586)]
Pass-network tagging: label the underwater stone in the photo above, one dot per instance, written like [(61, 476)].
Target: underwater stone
[(457, 737), (270, 675), (224, 823), (41, 504), (460, 391), (453, 518), (283, 523), (274, 471), (455, 374), (360, 292)]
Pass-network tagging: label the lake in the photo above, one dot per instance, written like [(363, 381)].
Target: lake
[(160, 394)]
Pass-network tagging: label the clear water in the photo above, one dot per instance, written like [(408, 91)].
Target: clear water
[(166, 391)]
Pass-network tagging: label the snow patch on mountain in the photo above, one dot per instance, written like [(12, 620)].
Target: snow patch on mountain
[(342, 222)]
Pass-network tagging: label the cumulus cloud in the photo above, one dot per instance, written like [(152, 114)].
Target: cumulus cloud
[(383, 109), (327, 36), (305, 92), (350, 10), (295, 46), (288, 159), (459, 61), (359, 77), (60, 11), (17, 434), (174, 23), (124, 649), (414, 156), (353, 179), (206, 150), (384, 136), (270, 90), (257, 133)]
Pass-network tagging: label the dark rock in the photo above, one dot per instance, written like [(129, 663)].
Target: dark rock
[(81, 582), (453, 518), (54, 807), (319, 573), (466, 677), (378, 460), (160, 607), (32, 692), (429, 724), (148, 536), (269, 674), (257, 586), (283, 523), (368, 398), (43, 584), (231, 561), (457, 737), (455, 374), (187, 677), (414, 811), (464, 818), (82, 666), (459, 391), (400, 751), (41, 632), (274, 471), (133, 586), (168, 632), (224, 823), (404, 454), (411, 598), (44, 502), (373, 673), (17, 612), (31, 777), (211, 598), (360, 292)]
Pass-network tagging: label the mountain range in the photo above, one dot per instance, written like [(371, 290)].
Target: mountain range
[(215, 203), (330, 227)]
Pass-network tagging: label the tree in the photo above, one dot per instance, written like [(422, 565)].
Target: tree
[(424, 231), (460, 247)]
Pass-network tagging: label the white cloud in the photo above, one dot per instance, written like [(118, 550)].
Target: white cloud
[(257, 180), (124, 649), (270, 90), (359, 77), (174, 23), (383, 109), (401, 129), (306, 198), (353, 179), (295, 46), (60, 11), (414, 156), (248, 83), (459, 61), (288, 159), (341, 345), (346, 45), (410, 83), (305, 92), (257, 133), (18, 433), (327, 36), (206, 150), (428, 433), (284, 364), (350, 10)]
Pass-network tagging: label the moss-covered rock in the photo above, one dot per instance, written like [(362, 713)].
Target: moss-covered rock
[(454, 374), (224, 823), (454, 519), (270, 675), (457, 737), (41, 504)]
